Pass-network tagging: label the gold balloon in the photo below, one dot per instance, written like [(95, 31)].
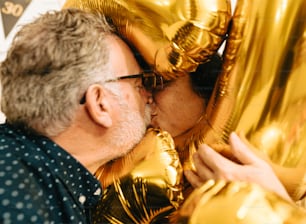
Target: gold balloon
[(237, 203), (172, 36), (261, 90), (144, 186)]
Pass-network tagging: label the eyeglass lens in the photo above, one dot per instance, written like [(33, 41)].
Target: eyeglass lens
[(152, 81)]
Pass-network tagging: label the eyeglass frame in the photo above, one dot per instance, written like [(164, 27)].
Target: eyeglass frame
[(142, 75)]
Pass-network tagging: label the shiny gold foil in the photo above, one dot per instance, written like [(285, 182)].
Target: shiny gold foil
[(237, 203), (261, 90), (172, 36), (144, 186)]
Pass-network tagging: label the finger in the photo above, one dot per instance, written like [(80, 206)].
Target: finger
[(212, 159), (241, 150), (193, 179), (202, 170)]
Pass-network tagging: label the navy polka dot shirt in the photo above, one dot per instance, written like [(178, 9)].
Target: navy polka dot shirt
[(41, 183)]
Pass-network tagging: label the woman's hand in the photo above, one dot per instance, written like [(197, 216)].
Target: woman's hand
[(251, 168)]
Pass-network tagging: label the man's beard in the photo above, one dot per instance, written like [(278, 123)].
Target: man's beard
[(131, 128)]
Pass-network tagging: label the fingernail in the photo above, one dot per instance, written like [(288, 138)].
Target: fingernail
[(234, 135)]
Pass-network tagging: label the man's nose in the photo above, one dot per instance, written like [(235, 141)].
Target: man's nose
[(153, 107), (148, 97)]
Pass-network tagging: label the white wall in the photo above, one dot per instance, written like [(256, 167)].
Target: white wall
[(233, 2), (11, 9)]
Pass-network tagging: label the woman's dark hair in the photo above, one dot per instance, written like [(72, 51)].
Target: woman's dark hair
[(204, 78)]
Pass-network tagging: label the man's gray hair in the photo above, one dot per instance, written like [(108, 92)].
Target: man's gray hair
[(51, 63)]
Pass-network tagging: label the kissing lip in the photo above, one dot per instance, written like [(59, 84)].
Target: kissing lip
[(153, 120), (153, 115)]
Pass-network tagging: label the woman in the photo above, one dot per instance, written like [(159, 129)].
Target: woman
[(179, 108)]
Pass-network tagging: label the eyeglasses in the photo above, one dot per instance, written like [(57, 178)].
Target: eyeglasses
[(150, 80)]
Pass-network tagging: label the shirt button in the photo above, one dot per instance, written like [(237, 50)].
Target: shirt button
[(82, 199)]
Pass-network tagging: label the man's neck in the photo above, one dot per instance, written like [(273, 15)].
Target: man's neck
[(84, 147)]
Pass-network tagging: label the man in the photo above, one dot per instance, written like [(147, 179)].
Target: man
[(72, 103)]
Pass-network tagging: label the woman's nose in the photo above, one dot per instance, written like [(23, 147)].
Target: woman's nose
[(150, 99)]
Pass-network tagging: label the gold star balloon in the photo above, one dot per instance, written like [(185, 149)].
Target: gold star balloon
[(143, 186), (261, 89), (237, 203), (173, 36)]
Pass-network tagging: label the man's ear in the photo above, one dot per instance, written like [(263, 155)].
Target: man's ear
[(98, 105)]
